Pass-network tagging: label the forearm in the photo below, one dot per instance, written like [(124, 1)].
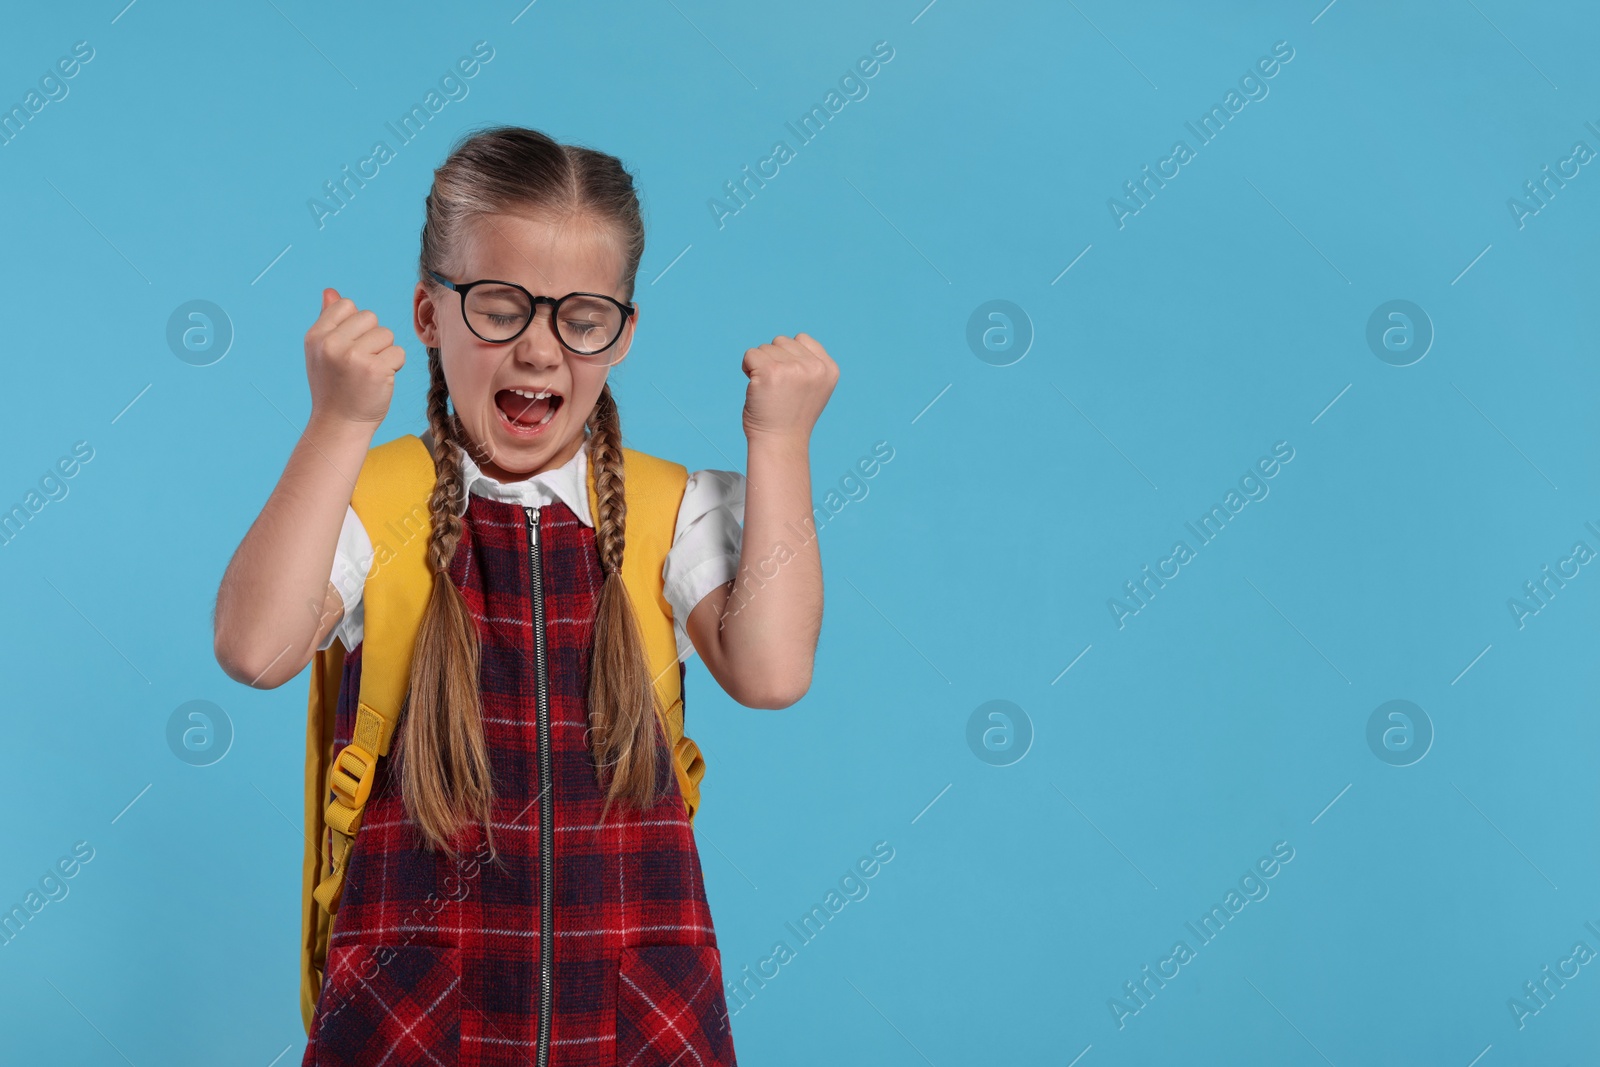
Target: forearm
[(771, 621), (270, 604)]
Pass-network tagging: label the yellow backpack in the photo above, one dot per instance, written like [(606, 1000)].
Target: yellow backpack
[(391, 499)]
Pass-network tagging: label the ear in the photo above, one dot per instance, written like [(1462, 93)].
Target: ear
[(425, 317)]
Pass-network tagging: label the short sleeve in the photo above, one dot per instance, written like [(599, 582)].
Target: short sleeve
[(352, 560), (705, 545)]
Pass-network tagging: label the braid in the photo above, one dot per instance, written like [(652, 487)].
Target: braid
[(624, 718), (605, 455), (446, 497), (445, 768)]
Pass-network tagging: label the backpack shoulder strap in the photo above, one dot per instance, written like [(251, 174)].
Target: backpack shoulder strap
[(390, 498), (327, 667), (652, 490)]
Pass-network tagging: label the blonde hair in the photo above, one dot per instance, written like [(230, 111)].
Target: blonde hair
[(445, 776)]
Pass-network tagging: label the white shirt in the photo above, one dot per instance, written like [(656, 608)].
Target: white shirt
[(705, 541)]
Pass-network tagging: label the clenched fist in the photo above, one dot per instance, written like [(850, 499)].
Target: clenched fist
[(350, 362), (790, 382)]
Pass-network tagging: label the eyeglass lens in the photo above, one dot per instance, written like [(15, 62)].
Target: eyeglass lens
[(587, 324)]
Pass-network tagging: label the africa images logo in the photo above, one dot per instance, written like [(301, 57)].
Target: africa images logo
[(807, 128), (1253, 84), (1252, 487)]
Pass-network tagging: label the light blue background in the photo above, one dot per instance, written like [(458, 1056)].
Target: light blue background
[(1224, 317)]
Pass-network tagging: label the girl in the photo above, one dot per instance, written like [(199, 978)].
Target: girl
[(584, 937)]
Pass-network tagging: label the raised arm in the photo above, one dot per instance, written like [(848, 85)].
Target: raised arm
[(758, 633), (276, 604)]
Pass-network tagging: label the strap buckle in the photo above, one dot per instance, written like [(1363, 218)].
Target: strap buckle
[(352, 775)]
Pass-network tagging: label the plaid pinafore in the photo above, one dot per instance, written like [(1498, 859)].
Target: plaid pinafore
[(445, 964)]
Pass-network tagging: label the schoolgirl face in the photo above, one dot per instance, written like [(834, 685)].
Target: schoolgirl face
[(523, 403)]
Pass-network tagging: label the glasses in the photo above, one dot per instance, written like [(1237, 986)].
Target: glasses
[(587, 324)]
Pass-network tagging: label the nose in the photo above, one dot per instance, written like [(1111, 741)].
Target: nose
[(538, 345)]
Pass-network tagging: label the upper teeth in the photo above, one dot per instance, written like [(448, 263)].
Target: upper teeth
[(540, 395)]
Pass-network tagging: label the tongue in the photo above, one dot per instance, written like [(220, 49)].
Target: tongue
[(521, 410)]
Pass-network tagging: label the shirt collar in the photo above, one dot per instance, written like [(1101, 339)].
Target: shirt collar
[(567, 483)]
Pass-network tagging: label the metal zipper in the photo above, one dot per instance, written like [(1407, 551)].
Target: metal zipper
[(546, 795)]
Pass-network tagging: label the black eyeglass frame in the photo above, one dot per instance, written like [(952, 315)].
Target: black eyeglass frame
[(555, 303)]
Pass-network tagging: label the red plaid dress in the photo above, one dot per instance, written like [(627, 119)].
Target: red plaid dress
[(438, 963)]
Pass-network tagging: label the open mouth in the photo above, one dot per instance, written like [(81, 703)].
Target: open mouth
[(525, 410)]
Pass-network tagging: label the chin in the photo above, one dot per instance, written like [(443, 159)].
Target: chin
[(520, 453)]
